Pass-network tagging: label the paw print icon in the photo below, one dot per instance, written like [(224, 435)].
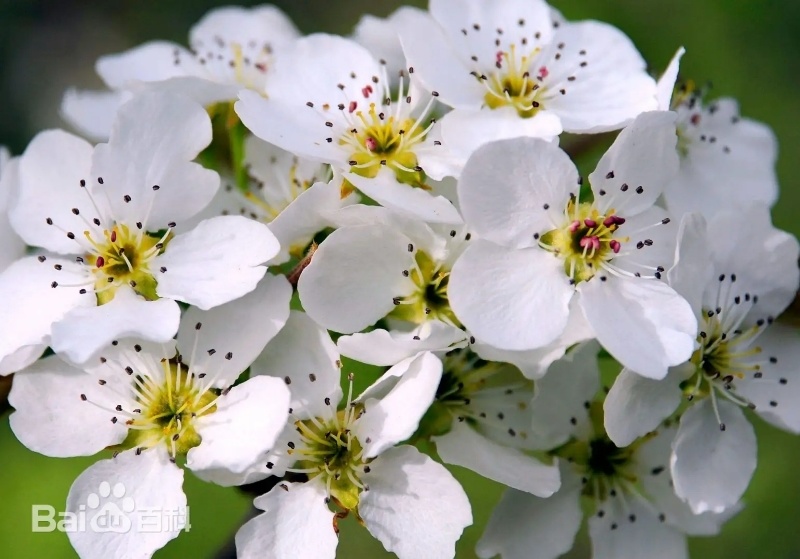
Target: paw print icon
[(109, 509)]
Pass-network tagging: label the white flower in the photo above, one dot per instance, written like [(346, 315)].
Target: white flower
[(230, 48), (405, 499), (737, 279), (330, 101), (160, 403), (481, 420), (396, 267), (108, 216), (540, 246), (634, 512), (510, 69), (293, 195), (726, 161)]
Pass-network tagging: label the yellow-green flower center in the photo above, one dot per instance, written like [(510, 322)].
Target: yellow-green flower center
[(605, 467), (586, 242), (429, 299), (123, 256), (332, 452), (512, 85), (385, 140), (168, 405)]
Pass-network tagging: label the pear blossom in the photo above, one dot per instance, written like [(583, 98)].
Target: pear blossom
[(362, 273), (352, 464), (230, 48), (331, 101), (155, 404), (115, 264), (743, 360), (539, 246), (633, 511), (481, 420), (726, 161), (294, 196), (513, 68)]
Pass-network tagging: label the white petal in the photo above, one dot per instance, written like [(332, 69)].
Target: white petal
[(386, 348), (216, 262), (506, 185), (615, 536), (644, 324), (459, 18), (510, 314), (354, 275), (636, 405), (241, 329), (406, 200), (652, 469), (763, 256), (31, 306), (730, 161), (21, 358), (153, 141), (533, 363), (150, 62), (559, 407), (380, 36), (711, 468), (776, 393), (411, 494), (138, 492), (465, 130), (394, 417), (643, 155), (305, 216), (436, 62), (245, 425), (85, 331), (241, 25), (463, 446), (92, 113), (52, 419), (285, 124), (49, 178), (297, 524), (690, 274), (303, 356), (526, 527), (608, 91), (666, 83)]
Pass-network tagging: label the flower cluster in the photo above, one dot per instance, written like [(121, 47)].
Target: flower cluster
[(246, 219)]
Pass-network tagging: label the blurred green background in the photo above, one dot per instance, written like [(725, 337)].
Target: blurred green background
[(749, 49)]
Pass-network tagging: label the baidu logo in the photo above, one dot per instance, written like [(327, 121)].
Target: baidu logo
[(109, 516), (110, 509)]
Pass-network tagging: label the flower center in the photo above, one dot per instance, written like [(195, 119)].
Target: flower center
[(329, 449), (381, 140), (429, 299), (512, 84), (123, 256), (605, 467), (587, 240), (479, 392)]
